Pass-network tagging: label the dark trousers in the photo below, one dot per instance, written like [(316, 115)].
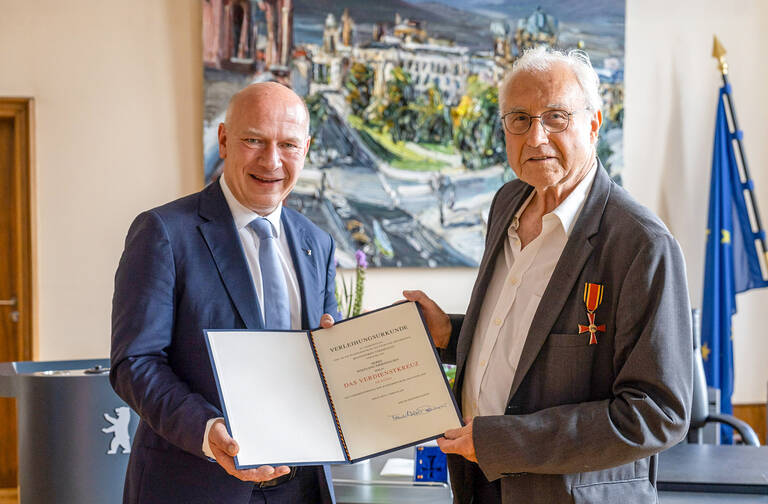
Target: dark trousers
[(485, 492), (302, 489)]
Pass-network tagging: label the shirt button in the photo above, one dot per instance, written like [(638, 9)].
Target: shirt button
[(497, 322), (482, 363), (513, 280)]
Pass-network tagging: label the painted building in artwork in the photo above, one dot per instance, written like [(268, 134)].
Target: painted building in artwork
[(502, 43), (429, 62), (230, 33), (444, 67), (329, 59), (347, 28), (486, 67), (331, 35), (539, 28), (247, 35), (410, 30)]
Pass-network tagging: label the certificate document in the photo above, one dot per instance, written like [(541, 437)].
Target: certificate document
[(385, 381), (368, 385)]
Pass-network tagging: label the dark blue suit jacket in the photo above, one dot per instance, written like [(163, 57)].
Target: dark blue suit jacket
[(183, 270)]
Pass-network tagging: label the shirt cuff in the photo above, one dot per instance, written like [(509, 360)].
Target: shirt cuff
[(206, 447)]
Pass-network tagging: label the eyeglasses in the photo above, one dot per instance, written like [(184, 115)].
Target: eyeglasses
[(553, 121)]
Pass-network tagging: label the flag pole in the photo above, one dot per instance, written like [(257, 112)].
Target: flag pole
[(718, 52)]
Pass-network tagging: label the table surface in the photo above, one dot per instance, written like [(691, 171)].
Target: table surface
[(362, 483), (721, 468)]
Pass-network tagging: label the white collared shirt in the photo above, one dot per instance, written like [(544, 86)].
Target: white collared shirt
[(511, 300), (250, 241)]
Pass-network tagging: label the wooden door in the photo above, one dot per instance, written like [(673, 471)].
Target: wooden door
[(15, 263)]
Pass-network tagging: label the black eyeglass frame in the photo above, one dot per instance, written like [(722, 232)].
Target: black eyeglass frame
[(532, 117)]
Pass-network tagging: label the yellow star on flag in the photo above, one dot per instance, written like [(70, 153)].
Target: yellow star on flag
[(705, 351), (726, 236)]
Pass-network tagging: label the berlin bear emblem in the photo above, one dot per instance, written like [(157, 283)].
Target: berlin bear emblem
[(121, 437)]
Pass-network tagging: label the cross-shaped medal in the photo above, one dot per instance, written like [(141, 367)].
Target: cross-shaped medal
[(592, 329)]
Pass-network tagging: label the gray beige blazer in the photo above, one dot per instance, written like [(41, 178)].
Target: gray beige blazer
[(584, 421)]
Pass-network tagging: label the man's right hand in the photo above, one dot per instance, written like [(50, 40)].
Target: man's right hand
[(224, 449), (438, 323)]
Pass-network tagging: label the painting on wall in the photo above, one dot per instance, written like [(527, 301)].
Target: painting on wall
[(407, 147)]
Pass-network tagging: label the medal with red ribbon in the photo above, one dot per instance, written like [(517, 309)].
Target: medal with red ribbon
[(593, 296)]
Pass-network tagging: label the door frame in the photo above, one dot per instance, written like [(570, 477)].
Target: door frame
[(21, 111)]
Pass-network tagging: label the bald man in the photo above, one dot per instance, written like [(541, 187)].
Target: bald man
[(228, 257)]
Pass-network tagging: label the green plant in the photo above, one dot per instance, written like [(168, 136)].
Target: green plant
[(350, 299)]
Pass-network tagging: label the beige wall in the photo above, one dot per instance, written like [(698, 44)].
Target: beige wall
[(117, 87), (671, 93), (118, 92)]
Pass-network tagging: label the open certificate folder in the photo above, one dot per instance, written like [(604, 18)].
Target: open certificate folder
[(368, 385)]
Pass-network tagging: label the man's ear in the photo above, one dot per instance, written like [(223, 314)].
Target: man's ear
[(222, 141), (306, 147), (596, 122)]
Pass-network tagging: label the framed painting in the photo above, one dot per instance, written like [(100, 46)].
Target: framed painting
[(407, 147)]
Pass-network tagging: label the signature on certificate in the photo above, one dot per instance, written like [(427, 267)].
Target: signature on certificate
[(421, 410)]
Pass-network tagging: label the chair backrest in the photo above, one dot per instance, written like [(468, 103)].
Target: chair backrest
[(700, 414), (700, 404)]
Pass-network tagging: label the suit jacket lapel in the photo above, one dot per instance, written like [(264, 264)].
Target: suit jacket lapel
[(221, 236), (577, 250), (301, 247), (497, 233)]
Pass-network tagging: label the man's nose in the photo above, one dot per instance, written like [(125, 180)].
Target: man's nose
[(270, 156), (536, 134)]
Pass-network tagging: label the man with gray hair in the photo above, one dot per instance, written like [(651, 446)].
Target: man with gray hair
[(574, 359)]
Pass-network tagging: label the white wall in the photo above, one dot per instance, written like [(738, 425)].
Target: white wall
[(672, 86), (118, 90)]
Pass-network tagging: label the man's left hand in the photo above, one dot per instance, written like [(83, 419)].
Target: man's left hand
[(459, 441), (326, 321)]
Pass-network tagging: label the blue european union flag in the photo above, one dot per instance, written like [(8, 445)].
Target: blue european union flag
[(732, 263)]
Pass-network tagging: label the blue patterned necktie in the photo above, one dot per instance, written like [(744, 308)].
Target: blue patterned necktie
[(277, 310)]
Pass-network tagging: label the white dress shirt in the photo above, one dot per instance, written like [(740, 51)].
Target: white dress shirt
[(511, 300), (250, 242)]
